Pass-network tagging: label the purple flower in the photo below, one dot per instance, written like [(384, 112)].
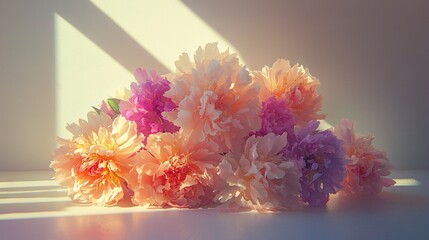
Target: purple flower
[(322, 161), (147, 102), (276, 118)]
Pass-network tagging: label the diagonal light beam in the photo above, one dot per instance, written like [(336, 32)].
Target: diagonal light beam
[(164, 28), (100, 29)]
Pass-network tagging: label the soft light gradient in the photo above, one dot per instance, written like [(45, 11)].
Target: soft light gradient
[(369, 56), (85, 74)]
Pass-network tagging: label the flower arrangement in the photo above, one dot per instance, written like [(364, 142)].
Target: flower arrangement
[(216, 134)]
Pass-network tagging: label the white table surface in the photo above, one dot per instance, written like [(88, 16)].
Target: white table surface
[(33, 207)]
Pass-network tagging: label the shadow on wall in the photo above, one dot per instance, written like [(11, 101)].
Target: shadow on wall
[(106, 34), (27, 84), (370, 56), (27, 76)]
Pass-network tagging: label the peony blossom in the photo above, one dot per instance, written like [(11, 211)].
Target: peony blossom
[(276, 118), (93, 162), (294, 85), (368, 167), (215, 97), (173, 172), (257, 177), (322, 160), (147, 102)]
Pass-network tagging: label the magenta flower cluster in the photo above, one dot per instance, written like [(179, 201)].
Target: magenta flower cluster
[(276, 118), (147, 102)]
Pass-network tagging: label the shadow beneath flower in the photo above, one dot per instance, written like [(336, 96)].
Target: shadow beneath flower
[(386, 201), (125, 203)]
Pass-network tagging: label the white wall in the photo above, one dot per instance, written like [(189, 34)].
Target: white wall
[(371, 58), (27, 85)]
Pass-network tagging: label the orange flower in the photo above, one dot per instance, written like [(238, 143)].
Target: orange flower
[(293, 84), (174, 172), (215, 97), (93, 162)]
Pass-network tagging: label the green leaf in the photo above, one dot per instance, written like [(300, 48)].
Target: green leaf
[(114, 104), (96, 109)]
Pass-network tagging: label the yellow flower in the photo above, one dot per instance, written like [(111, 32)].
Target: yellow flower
[(93, 162)]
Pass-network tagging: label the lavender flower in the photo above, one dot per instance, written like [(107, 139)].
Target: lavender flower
[(322, 161)]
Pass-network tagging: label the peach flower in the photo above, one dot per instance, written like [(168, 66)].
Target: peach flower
[(174, 172), (293, 84), (215, 97), (368, 167), (93, 162), (257, 177)]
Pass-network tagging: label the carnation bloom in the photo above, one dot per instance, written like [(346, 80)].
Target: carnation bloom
[(147, 102), (173, 172), (322, 161), (215, 97), (93, 162), (257, 177), (293, 84), (276, 118), (368, 167)]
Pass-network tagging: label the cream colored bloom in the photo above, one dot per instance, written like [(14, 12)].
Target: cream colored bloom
[(216, 97), (93, 162), (293, 84), (257, 177)]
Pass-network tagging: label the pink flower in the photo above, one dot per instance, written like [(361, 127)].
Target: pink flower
[(276, 118), (174, 172), (147, 102), (93, 162), (215, 97), (368, 167), (294, 85), (257, 177)]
